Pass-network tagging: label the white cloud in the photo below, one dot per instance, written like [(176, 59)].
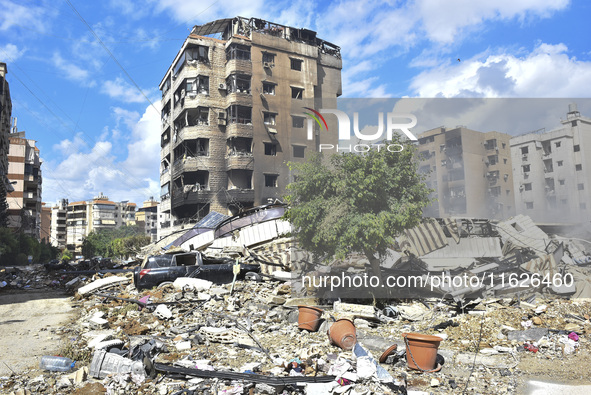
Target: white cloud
[(547, 71), (14, 14), (11, 52), (71, 71), (444, 21), (119, 89), (84, 172)]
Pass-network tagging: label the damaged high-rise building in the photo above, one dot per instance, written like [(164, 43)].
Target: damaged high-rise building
[(469, 171), (233, 115)]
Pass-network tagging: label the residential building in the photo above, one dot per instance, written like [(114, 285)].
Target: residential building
[(5, 115), (24, 202), (469, 171), (58, 224), (233, 115), (100, 213), (45, 229), (552, 171), (146, 218)]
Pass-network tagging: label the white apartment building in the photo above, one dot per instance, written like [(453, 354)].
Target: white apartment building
[(552, 171), (58, 224), (100, 213)]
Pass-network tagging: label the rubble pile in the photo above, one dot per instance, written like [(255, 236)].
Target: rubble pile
[(173, 340), (270, 334)]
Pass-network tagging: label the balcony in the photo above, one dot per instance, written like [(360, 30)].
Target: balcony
[(191, 197), (238, 66), (240, 195), (239, 130), (240, 162)]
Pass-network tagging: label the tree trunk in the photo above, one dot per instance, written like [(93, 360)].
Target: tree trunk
[(374, 264)]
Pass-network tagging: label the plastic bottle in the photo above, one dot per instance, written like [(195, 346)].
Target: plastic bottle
[(56, 364)]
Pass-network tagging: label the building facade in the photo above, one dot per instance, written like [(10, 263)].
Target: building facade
[(24, 170), (59, 230), (100, 213), (469, 171), (233, 115), (5, 116), (45, 229), (552, 171), (146, 218)]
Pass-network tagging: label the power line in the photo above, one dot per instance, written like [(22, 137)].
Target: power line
[(111, 55)]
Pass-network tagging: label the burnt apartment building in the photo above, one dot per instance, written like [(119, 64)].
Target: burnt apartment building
[(469, 171), (233, 115), (5, 126)]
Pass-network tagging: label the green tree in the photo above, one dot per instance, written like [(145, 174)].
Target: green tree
[(121, 241), (356, 202), (66, 255)]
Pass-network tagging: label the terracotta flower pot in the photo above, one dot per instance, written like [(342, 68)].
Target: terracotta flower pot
[(309, 318), (421, 351), (343, 334)]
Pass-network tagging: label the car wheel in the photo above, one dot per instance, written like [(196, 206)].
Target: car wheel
[(165, 284)]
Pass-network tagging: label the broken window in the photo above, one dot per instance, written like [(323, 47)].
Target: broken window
[(296, 64), (579, 167), (268, 88), (527, 186), (240, 114), (239, 146), (240, 179), (268, 59), (165, 191), (490, 144), (192, 181), (192, 117), (557, 144), (200, 85), (165, 87), (524, 150), (270, 149), (559, 163), (238, 83), (271, 180), (561, 182), (525, 168), (192, 55), (299, 151), (269, 118), (297, 93), (196, 147), (493, 159), (577, 148), (165, 138), (297, 122), (238, 52)]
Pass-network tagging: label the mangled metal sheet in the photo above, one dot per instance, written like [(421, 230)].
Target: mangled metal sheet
[(475, 247), (544, 265), (423, 239), (521, 231)]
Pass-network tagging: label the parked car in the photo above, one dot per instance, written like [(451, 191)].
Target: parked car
[(158, 269)]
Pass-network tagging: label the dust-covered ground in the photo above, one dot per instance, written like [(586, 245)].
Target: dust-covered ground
[(28, 321)]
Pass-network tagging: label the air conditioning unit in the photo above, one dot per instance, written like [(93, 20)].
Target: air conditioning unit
[(223, 86), (221, 122), (221, 115)]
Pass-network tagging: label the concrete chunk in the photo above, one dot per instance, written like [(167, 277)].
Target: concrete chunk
[(102, 283), (196, 284)]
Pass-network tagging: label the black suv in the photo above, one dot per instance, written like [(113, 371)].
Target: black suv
[(158, 269)]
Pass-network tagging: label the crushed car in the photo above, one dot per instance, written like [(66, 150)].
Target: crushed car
[(159, 269)]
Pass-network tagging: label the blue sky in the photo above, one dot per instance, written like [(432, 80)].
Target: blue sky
[(98, 133)]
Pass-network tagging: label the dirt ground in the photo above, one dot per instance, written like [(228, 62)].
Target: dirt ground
[(27, 323)]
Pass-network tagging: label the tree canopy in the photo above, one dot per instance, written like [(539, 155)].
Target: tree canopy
[(356, 202), (123, 241)]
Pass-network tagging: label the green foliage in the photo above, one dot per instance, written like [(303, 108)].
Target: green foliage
[(15, 249), (124, 241), (67, 255), (356, 202)]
